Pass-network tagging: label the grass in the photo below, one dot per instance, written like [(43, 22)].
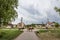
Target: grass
[(9, 34), (49, 34)]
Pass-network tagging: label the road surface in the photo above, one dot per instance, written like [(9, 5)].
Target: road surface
[(26, 35)]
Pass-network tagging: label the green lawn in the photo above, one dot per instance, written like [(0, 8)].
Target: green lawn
[(9, 34), (49, 34)]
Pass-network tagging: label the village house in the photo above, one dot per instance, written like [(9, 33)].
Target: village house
[(50, 24)]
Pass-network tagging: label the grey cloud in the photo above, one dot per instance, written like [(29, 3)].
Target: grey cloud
[(34, 13)]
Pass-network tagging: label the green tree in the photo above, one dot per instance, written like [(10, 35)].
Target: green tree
[(57, 9), (56, 25), (7, 12), (33, 25)]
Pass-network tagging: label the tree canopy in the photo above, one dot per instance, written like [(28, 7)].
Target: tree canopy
[(7, 11), (57, 9)]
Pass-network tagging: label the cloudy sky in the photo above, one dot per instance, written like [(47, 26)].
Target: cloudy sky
[(37, 11)]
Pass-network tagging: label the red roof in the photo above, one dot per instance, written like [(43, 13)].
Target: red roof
[(50, 22)]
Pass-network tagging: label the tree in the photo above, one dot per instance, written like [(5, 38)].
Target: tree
[(57, 9), (7, 12), (56, 25), (33, 25)]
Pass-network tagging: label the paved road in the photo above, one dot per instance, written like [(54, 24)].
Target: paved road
[(27, 36)]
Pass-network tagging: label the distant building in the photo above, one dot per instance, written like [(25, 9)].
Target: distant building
[(39, 25), (9, 25), (50, 24), (21, 24)]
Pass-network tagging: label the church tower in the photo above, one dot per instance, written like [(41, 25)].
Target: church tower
[(21, 19), (22, 24)]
